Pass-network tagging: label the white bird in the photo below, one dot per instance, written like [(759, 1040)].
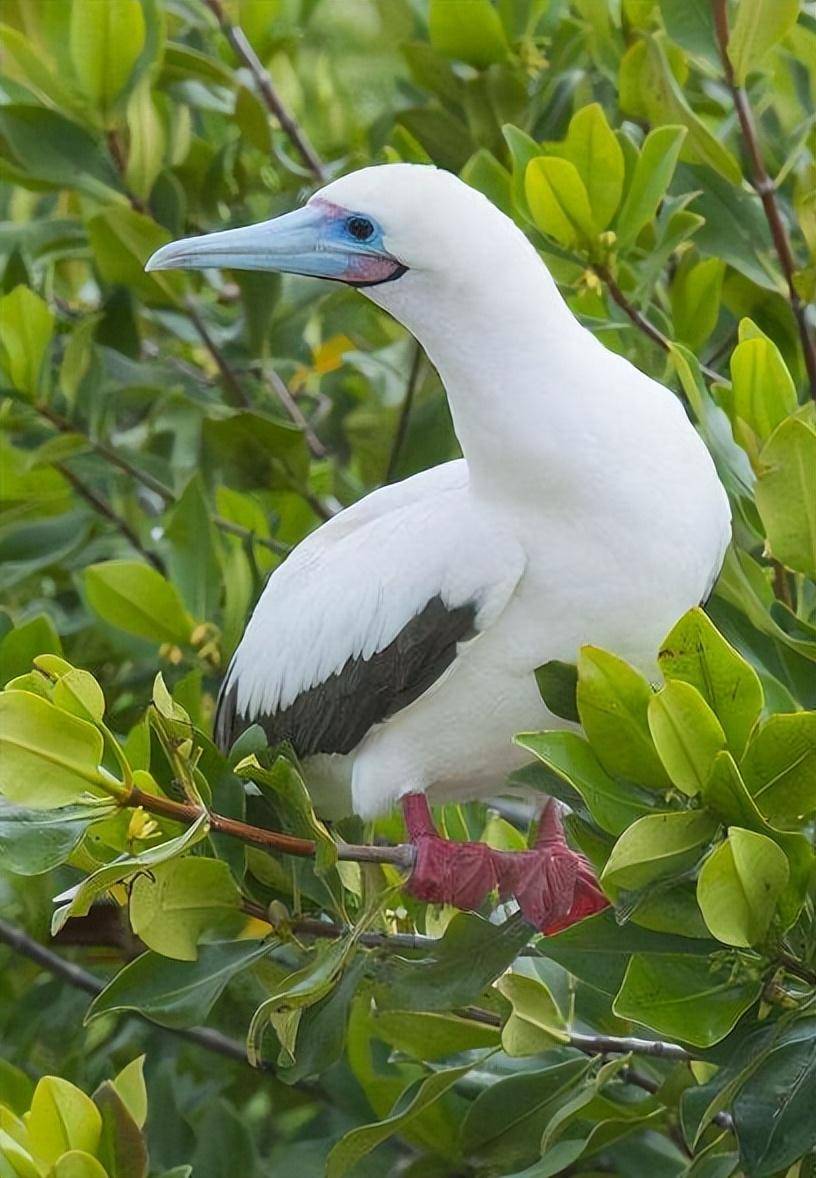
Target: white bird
[(396, 647)]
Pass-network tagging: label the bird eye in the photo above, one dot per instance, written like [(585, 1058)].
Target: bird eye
[(360, 228)]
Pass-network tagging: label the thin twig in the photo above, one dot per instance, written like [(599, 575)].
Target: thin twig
[(232, 386), (21, 943), (270, 840), (766, 190), (797, 969), (273, 101), (405, 413), (103, 508), (150, 483), (641, 322), (281, 391)]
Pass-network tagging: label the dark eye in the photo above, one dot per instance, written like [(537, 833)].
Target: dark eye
[(360, 228)]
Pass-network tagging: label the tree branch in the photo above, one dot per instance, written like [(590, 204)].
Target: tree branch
[(103, 508), (24, 945), (150, 483), (766, 190), (640, 321), (269, 840), (405, 413), (273, 101)]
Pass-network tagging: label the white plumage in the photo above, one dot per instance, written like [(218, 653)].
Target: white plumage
[(586, 509)]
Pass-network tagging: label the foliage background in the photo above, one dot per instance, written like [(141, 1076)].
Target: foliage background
[(167, 438)]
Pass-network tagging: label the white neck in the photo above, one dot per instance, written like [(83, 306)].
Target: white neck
[(513, 359)]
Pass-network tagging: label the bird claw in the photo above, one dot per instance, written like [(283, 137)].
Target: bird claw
[(554, 885)]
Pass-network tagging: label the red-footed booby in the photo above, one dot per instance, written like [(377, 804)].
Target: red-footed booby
[(396, 647)]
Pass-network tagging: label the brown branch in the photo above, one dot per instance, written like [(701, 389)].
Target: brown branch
[(797, 969), (236, 394), (74, 975), (273, 101), (281, 391), (150, 483), (103, 508), (640, 321), (766, 190), (405, 413), (269, 840)]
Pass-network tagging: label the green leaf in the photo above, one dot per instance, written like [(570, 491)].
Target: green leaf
[(696, 1000), (779, 767), (49, 758), (686, 733), (122, 240), (135, 598), (77, 692), (739, 885), (21, 646), (592, 147), (695, 295), (557, 683), (177, 994), (727, 796), (54, 152), (429, 1036), (666, 95), (597, 950), (34, 841), (467, 30), (286, 785), (535, 1023), (61, 1118), (759, 25), (180, 900), (763, 393), (105, 43), (786, 494), (558, 200), (122, 1147), (300, 989), (471, 953), (658, 845), (125, 867), (773, 1112), (650, 181), (130, 1085), (695, 652), (76, 1163), (503, 1125), (359, 1142), (146, 141), (612, 804), (26, 328), (193, 559), (613, 702)]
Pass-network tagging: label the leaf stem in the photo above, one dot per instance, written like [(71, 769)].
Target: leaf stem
[(766, 191)]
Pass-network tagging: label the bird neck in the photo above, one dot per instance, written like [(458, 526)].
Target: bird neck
[(515, 362)]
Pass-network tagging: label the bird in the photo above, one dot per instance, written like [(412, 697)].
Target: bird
[(395, 648)]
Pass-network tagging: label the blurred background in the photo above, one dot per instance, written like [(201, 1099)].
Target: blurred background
[(167, 438)]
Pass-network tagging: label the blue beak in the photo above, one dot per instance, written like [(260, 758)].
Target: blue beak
[(313, 240)]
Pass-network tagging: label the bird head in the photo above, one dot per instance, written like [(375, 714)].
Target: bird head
[(367, 229)]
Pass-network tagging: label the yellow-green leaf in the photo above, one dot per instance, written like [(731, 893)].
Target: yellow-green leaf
[(558, 200), (26, 328), (687, 734), (62, 1118), (759, 25), (47, 757), (739, 885), (786, 494), (105, 42), (592, 147)]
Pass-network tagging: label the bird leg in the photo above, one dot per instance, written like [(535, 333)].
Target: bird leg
[(554, 885)]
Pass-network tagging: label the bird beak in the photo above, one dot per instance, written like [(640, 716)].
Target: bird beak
[(311, 240)]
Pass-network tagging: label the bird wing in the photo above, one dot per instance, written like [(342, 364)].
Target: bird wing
[(367, 614)]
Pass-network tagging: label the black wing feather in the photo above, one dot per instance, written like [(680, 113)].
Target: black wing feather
[(334, 716)]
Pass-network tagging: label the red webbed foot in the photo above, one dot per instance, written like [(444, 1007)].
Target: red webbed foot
[(462, 874), (554, 885)]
